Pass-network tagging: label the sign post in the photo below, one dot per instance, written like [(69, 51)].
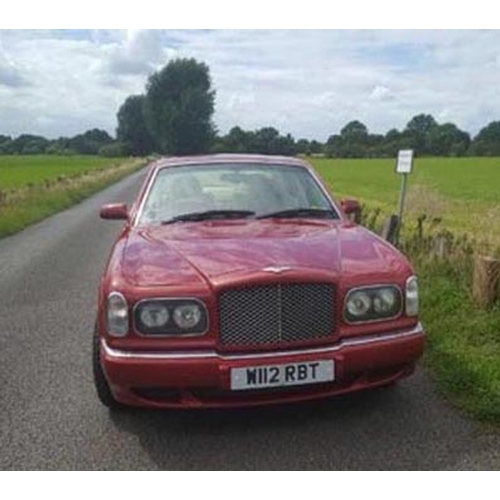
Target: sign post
[(404, 166)]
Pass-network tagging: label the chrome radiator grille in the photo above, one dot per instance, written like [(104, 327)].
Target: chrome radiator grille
[(276, 314)]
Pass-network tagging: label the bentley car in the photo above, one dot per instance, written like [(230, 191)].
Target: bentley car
[(238, 280)]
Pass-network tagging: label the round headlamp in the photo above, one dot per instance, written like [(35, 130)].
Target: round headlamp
[(385, 300), (154, 315), (187, 316), (358, 304)]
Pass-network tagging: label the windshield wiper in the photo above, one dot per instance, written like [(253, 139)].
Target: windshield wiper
[(320, 213), (210, 215)]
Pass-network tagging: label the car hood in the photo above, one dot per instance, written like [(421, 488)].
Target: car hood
[(186, 253)]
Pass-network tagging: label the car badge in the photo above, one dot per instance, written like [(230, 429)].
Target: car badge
[(277, 269)]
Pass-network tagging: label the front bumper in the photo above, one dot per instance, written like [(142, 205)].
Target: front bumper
[(202, 379)]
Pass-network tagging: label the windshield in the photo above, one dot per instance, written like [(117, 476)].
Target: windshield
[(233, 191)]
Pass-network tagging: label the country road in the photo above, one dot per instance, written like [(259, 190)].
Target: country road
[(50, 417)]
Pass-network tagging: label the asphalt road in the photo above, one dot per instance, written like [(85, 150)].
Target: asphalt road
[(50, 417)]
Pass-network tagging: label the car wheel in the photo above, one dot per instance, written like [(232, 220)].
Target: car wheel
[(101, 384)]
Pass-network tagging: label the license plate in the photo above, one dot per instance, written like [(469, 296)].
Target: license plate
[(257, 377)]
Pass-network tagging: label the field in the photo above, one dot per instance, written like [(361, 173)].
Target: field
[(458, 196), (463, 192), (20, 171), (34, 187)]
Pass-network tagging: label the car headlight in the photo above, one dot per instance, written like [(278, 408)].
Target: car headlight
[(170, 317), (411, 296), (187, 316), (117, 315), (358, 304), (372, 303), (154, 315)]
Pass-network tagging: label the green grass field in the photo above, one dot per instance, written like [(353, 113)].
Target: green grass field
[(18, 171), (463, 192), (35, 187)]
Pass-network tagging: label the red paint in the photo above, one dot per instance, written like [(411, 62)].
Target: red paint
[(116, 211), (199, 259)]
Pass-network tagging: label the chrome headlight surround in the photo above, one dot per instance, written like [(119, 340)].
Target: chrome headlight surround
[(373, 303), (181, 316), (117, 321)]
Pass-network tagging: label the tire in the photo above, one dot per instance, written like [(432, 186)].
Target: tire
[(101, 384)]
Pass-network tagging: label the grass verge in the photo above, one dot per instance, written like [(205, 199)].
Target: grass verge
[(463, 350), (29, 204), (463, 341)]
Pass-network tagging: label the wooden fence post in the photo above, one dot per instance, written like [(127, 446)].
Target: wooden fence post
[(390, 229), (485, 281)]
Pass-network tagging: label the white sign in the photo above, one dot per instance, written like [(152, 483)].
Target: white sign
[(405, 161)]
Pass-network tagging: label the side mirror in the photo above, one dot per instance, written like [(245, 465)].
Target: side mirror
[(114, 211), (352, 209)]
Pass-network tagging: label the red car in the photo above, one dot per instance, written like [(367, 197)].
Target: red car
[(237, 280)]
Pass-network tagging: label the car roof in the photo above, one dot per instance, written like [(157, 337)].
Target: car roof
[(228, 159)]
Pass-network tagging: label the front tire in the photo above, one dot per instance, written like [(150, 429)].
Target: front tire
[(101, 384)]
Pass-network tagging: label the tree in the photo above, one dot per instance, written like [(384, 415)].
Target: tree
[(178, 107), (303, 147), (286, 145), (333, 148), (417, 133), (448, 140), (29, 144), (391, 143), (487, 142), (237, 140), (421, 123), (5, 144), (353, 142), (316, 147), (354, 130), (132, 130), (90, 142), (392, 135), (266, 141)]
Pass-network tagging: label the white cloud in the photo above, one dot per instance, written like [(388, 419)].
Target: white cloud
[(306, 82), (381, 93), (138, 53), (11, 77), (10, 73)]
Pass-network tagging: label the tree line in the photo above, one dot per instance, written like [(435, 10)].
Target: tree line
[(91, 142), (174, 117), (422, 134)]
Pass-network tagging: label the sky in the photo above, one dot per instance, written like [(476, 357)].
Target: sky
[(309, 83)]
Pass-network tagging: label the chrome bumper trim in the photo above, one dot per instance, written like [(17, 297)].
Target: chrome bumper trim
[(366, 340)]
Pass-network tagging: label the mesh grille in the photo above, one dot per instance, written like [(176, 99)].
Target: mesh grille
[(276, 314)]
